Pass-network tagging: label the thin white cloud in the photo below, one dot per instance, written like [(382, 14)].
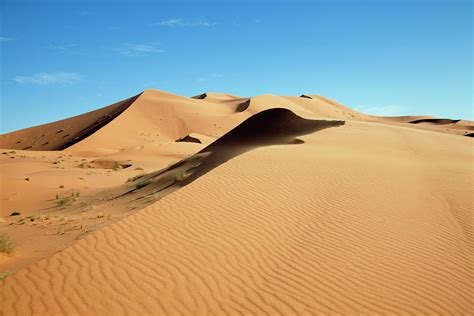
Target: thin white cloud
[(5, 39), (178, 22), (388, 110), (139, 50), (45, 78)]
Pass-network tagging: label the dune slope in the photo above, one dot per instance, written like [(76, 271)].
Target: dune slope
[(65, 133), (361, 219), (217, 204)]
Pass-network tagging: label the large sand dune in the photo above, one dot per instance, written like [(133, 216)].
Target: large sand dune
[(219, 204)]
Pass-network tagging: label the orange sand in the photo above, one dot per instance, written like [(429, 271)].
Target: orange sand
[(285, 206)]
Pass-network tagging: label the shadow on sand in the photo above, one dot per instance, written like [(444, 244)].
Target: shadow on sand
[(271, 127)]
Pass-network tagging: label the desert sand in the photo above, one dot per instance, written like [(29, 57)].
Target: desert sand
[(224, 205)]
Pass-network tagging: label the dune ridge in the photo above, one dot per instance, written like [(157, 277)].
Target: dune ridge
[(65, 133), (220, 204), (227, 244), (275, 126), (152, 112)]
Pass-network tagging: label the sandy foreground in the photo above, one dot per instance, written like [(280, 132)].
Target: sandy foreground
[(168, 205)]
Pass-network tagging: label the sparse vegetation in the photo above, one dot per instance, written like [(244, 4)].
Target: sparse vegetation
[(143, 184), (63, 201), (118, 168), (6, 245), (86, 205), (149, 198), (61, 186), (15, 213), (131, 179), (5, 274), (181, 175)]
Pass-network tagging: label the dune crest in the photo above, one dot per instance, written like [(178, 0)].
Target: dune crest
[(65, 133), (219, 204)]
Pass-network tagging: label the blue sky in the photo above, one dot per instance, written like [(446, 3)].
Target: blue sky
[(63, 58)]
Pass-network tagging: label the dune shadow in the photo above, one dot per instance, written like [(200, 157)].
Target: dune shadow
[(442, 121), (276, 126), (271, 127), (243, 106)]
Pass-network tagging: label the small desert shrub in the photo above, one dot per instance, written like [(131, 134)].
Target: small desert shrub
[(63, 201), (143, 184), (181, 175), (118, 168), (86, 205), (131, 179), (149, 198), (6, 245), (5, 274)]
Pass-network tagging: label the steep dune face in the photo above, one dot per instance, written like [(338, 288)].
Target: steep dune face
[(219, 204), (63, 134), (159, 117), (361, 219), (270, 127), (165, 117)]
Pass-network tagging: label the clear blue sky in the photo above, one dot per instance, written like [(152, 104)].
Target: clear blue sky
[(62, 58)]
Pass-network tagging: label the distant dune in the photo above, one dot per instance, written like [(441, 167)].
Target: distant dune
[(220, 204), (63, 134)]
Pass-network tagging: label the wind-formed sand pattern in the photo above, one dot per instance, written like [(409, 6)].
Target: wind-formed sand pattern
[(217, 204)]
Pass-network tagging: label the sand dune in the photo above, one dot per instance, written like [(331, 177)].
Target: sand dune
[(63, 134), (219, 204), (170, 117)]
